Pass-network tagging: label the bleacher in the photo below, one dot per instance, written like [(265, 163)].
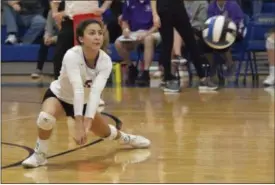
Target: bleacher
[(258, 25)]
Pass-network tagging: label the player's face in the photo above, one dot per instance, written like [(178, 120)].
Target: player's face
[(93, 36)]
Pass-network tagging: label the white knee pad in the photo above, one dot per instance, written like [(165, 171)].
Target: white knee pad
[(45, 121), (270, 43), (113, 134)]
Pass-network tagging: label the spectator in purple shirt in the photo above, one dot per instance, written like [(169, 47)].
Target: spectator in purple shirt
[(232, 10), (138, 28)]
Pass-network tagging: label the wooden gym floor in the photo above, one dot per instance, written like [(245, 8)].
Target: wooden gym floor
[(224, 137)]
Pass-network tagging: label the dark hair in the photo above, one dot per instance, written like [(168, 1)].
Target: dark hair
[(83, 25)]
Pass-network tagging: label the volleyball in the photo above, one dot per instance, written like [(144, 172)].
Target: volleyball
[(219, 32)]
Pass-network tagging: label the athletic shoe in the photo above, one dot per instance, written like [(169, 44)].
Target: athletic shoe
[(35, 160), (136, 141)]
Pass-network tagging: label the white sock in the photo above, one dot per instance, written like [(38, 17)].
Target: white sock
[(124, 138), (272, 70), (41, 146)]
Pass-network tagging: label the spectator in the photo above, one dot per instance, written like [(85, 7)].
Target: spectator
[(197, 12), (112, 22), (232, 10), (270, 42), (65, 19), (137, 25), (50, 38), (27, 13)]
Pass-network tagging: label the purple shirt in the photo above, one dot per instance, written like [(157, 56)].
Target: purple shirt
[(231, 9), (138, 14)]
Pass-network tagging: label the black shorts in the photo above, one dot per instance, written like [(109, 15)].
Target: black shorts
[(68, 108)]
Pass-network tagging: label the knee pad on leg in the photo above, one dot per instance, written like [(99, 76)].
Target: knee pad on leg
[(270, 43), (45, 121)]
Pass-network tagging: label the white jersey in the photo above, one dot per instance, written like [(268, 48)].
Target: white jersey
[(79, 7), (79, 84)]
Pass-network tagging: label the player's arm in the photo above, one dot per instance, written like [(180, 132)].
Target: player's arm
[(154, 7), (11, 3), (153, 29), (106, 5), (124, 19), (97, 87), (72, 68), (156, 19), (54, 5)]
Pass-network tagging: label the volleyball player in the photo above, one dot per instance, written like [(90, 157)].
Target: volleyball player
[(84, 73), (169, 14)]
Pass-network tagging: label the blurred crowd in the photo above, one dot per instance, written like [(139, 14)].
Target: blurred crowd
[(129, 25)]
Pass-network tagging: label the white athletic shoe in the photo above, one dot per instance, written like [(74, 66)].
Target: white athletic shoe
[(136, 141), (35, 160), (269, 81), (11, 39)]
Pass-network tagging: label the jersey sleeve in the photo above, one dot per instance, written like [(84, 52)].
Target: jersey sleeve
[(97, 88), (72, 68)]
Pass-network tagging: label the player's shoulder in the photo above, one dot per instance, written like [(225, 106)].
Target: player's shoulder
[(76, 50), (74, 53), (105, 58)]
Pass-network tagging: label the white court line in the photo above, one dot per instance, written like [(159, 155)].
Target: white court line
[(18, 118)]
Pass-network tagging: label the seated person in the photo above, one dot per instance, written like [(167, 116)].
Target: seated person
[(232, 10), (270, 42), (50, 38), (138, 28), (26, 13)]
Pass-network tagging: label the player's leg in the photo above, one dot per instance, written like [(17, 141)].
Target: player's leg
[(51, 109), (100, 128)]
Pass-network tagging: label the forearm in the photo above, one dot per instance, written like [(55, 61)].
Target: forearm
[(125, 25), (92, 106), (106, 5), (154, 6), (152, 30), (96, 90), (49, 24), (78, 101), (11, 3), (54, 6)]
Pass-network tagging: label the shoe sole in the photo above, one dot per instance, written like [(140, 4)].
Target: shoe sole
[(25, 165), (179, 61), (35, 76), (142, 147), (268, 85), (203, 88), (170, 91)]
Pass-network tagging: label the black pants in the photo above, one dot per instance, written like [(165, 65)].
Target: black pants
[(177, 18), (65, 41), (42, 55), (114, 29)]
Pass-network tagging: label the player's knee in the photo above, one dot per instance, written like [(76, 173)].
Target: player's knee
[(45, 121), (270, 42)]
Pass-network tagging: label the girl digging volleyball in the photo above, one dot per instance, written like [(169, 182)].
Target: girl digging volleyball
[(83, 76)]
